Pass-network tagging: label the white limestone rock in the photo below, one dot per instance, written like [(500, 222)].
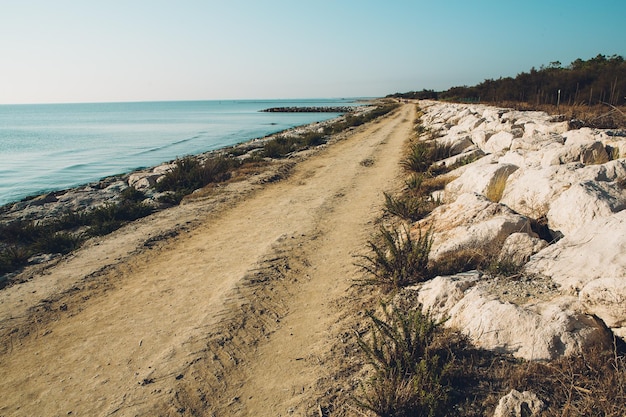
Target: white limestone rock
[(589, 253), (519, 404), (470, 154), (143, 180), (440, 294), (499, 142), (458, 144), (530, 191), (519, 247), (543, 331), (606, 298), (582, 203), (480, 178), (471, 221), (536, 331)]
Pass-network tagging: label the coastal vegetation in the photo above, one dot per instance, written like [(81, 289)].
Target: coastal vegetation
[(21, 240), (411, 358), (592, 91)]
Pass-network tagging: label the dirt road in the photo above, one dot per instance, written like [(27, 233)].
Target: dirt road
[(238, 313)]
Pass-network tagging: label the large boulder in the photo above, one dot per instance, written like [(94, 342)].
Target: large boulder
[(538, 330), (606, 298), (486, 179), (457, 144), (530, 191), (143, 180), (589, 253), (471, 221), (583, 202), (499, 142), (519, 247)]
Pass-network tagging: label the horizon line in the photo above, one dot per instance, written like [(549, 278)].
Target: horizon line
[(189, 100)]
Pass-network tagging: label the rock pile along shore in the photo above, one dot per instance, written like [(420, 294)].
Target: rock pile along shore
[(323, 109), (546, 196), (108, 190)]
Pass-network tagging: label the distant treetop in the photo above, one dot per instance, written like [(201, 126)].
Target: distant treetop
[(598, 80)]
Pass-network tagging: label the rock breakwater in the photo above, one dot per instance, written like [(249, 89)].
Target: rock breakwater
[(547, 196), (322, 109)]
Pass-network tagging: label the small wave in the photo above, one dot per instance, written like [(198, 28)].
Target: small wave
[(168, 145)]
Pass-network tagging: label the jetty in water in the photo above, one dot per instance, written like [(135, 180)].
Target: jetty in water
[(317, 109)]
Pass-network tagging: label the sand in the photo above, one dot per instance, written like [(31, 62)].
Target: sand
[(237, 304)]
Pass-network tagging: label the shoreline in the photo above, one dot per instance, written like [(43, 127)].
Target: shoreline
[(39, 199), (49, 225), (59, 148)]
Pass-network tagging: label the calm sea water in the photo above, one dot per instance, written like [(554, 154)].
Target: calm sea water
[(48, 147)]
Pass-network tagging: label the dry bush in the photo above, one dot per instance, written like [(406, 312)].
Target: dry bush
[(398, 261), (600, 116), (410, 207), (410, 360)]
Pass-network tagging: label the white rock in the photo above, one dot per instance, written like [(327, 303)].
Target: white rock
[(519, 247), (537, 141), (143, 180), (480, 178), (470, 154), (519, 404), (589, 253), (501, 141), (440, 294), (541, 331), (610, 171), (582, 203), (458, 144), (530, 191), (480, 137), (471, 221), (587, 153), (163, 168), (606, 298)]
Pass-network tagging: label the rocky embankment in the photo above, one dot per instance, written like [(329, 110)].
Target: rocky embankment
[(314, 109), (547, 197), (108, 190)]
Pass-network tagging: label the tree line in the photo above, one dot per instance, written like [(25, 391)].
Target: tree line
[(598, 80)]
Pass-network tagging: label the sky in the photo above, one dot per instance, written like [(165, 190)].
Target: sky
[(56, 51)]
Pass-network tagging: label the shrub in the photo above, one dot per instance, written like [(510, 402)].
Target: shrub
[(410, 207), (422, 155), (409, 372), (70, 220), (189, 174), (110, 217), (132, 194), (60, 242), (440, 151), (13, 257), (397, 262), (418, 159), (460, 260), (278, 147)]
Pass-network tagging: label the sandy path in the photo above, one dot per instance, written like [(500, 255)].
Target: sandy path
[(232, 316)]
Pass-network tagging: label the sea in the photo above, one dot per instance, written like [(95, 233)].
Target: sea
[(51, 147)]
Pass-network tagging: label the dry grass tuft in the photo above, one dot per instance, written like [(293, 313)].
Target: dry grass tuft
[(496, 187)]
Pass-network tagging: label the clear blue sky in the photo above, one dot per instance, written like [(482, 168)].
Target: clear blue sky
[(134, 50)]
